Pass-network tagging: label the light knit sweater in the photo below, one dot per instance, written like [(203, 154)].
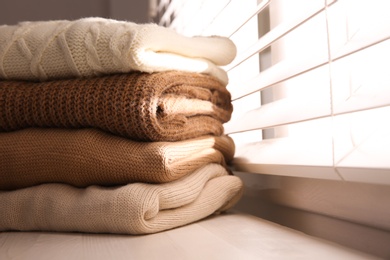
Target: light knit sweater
[(91, 157), (94, 46), (137, 208)]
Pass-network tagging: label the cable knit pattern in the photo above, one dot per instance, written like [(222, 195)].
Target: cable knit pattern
[(165, 106), (91, 157), (137, 208), (95, 46)]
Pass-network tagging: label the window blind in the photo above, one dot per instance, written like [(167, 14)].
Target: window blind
[(310, 83)]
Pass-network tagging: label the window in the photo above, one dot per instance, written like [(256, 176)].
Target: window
[(310, 86)]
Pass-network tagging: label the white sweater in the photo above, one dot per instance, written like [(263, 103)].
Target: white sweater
[(94, 46)]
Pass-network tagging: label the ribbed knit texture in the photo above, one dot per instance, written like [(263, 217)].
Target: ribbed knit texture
[(95, 46), (137, 208), (166, 106), (91, 157)]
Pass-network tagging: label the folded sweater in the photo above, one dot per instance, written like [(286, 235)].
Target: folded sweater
[(91, 157), (136, 208), (95, 46), (165, 106)]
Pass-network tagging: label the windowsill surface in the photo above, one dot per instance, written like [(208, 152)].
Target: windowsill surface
[(227, 236)]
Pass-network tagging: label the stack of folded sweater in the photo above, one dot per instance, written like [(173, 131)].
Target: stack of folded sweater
[(113, 127)]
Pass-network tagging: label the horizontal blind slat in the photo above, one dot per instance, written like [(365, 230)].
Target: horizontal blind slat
[(362, 80), (235, 15), (290, 156), (293, 108), (280, 72), (279, 113), (355, 25), (362, 139), (315, 150)]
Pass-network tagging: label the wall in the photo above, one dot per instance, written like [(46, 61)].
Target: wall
[(14, 11)]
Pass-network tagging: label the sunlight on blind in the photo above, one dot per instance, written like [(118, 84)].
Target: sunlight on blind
[(310, 83)]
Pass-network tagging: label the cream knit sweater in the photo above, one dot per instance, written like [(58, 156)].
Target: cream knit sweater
[(95, 46), (137, 208)]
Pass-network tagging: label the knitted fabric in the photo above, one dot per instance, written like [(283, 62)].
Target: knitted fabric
[(91, 157), (136, 208), (96, 46), (166, 106)]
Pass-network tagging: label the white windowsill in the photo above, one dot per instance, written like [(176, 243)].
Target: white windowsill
[(227, 236)]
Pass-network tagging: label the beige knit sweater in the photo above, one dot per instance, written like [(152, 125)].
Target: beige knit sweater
[(92, 157), (137, 208), (95, 46)]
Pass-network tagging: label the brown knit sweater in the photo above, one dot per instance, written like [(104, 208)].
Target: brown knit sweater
[(83, 157), (166, 106)]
